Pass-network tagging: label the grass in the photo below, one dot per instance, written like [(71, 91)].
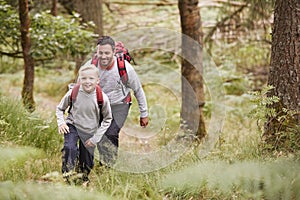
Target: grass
[(34, 157), (159, 166), (235, 144), (234, 168), (242, 180), (23, 128), (31, 190)]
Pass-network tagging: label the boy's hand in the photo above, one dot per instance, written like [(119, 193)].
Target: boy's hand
[(88, 143), (63, 129)]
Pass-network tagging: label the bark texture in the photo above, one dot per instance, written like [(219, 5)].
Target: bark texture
[(54, 8), (90, 10), (192, 80), (284, 72), (27, 91)]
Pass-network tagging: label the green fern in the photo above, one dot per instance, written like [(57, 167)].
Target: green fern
[(261, 101), (286, 136)]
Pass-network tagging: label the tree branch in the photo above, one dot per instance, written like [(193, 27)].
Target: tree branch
[(162, 3), (12, 54), (171, 3), (222, 22)]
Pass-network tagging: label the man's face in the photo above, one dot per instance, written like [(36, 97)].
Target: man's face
[(89, 80), (105, 54)]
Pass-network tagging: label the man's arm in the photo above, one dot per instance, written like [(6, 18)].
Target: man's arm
[(136, 86)]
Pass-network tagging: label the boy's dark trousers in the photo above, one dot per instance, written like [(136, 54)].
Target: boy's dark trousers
[(71, 154)]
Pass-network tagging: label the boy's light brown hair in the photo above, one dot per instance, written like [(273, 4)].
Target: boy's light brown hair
[(89, 67)]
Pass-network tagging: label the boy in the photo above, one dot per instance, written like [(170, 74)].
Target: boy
[(82, 123)]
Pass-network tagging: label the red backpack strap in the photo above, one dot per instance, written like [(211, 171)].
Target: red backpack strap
[(95, 60), (99, 95), (127, 99), (73, 96), (100, 101), (122, 68)]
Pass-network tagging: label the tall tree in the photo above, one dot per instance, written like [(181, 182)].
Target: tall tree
[(90, 10), (284, 73), (192, 67), (27, 91)]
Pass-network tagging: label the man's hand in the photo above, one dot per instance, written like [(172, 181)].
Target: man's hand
[(144, 122), (63, 129)]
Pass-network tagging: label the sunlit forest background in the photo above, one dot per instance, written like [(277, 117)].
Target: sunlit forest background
[(154, 163)]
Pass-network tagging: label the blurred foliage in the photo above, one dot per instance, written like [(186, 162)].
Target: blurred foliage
[(17, 162), (31, 190), (51, 36), (285, 139), (240, 61), (245, 16), (51, 82), (261, 109), (259, 9), (10, 65), (23, 128), (11, 154), (246, 62), (240, 180)]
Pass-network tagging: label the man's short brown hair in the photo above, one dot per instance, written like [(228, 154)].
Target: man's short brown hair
[(103, 40)]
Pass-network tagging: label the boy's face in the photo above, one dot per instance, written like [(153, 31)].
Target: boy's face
[(89, 79), (105, 54)]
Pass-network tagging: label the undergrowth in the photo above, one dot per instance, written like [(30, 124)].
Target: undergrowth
[(23, 128), (285, 139), (240, 180), (234, 169)]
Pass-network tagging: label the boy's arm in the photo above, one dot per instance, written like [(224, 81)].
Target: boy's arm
[(60, 109), (107, 118)]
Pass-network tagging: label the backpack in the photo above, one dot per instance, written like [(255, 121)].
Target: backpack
[(122, 54), (99, 95)]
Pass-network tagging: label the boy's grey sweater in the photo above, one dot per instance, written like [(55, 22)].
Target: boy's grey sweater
[(85, 114), (111, 84)]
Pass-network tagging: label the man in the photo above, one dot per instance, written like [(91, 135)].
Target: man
[(119, 96)]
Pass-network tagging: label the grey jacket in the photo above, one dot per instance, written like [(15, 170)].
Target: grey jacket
[(85, 114), (116, 91)]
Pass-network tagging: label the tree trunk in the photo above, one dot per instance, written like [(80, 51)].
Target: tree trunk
[(27, 91), (54, 8), (192, 80), (284, 72), (90, 10)]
